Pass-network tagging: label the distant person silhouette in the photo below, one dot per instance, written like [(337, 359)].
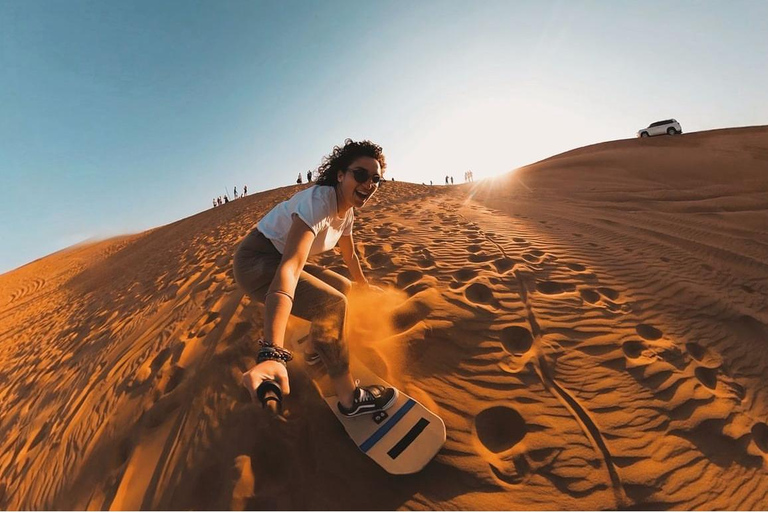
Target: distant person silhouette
[(245, 190), (298, 180), (309, 176)]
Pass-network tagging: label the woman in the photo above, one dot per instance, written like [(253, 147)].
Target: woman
[(270, 265)]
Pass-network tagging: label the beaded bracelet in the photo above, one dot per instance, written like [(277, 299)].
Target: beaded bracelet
[(270, 352)]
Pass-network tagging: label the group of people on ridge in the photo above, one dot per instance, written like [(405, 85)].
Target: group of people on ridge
[(218, 201)]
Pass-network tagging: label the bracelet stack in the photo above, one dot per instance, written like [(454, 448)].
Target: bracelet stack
[(270, 352)]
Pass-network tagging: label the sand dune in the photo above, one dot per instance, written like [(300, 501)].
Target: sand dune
[(592, 328)]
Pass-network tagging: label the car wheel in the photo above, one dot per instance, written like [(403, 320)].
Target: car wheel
[(644, 134), (671, 131)]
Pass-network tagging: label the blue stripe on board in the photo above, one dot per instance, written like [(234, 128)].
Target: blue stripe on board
[(376, 436)]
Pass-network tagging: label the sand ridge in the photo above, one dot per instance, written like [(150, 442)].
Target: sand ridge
[(592, 329)]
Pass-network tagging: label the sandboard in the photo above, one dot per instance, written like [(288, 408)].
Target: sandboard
[(401, 439)]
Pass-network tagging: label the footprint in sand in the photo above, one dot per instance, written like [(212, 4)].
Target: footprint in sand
[(410, 313), (715, 377), (760, 435), (531, 258), (223, 261), (474, 248), (465, 275), (590, 296), (648, 332), (516, 340), (554, 287), (504, 264), (520, 240), (500, 428), (697, 352), (576, 267), (739, 391), (172, 380), (162, 410), (379, 260), (415, 288), (160, 359), (384, 231), (379, 248), (480, 257), (211, 317), (633, 348), (479, 293), (707, 376), (609, 293), (408, 277), (426, 262)]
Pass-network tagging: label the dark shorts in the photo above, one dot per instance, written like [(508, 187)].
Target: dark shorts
[(255, 265)]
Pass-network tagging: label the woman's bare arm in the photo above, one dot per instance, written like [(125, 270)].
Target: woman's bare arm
[(279, 302), (349, 254)]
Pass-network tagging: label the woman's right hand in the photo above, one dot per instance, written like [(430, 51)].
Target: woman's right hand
[(266, 370)]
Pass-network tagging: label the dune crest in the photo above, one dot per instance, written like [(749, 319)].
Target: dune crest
[(592, 328)]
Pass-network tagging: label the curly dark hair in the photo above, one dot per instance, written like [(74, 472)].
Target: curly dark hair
[(342, 157)]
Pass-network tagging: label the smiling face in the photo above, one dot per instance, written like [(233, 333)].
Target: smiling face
[(352, 193)]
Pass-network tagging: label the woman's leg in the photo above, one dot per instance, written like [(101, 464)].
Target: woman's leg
[(254, 265), (334, 279), (330, 277), (326, 307)]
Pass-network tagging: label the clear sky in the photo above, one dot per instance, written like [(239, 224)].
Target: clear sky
[(120, 116)]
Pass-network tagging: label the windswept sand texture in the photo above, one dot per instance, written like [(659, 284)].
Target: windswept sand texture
[(593, 329)]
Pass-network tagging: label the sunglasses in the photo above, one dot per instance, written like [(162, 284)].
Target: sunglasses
[(361, 176)]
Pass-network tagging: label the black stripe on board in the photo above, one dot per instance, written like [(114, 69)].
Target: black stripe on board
[(408, 438)]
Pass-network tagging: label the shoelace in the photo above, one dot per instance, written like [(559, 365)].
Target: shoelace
[(365, 395)]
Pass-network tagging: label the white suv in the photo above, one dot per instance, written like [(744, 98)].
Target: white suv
[(670, 127)]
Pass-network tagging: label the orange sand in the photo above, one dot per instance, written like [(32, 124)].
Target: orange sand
[(592, 328)]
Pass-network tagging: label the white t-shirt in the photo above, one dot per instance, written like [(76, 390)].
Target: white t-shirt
[(316, 206)]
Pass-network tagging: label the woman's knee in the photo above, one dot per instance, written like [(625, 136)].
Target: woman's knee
[(314, 304), (329, 319), (338, 303)]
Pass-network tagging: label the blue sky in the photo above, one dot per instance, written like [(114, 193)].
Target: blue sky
[(122, 116)]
